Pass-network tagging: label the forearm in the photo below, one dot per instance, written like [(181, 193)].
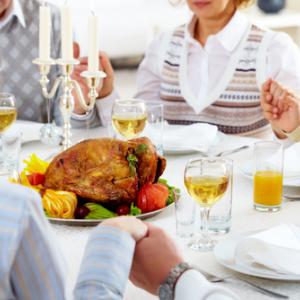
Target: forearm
[(193, 286), (104, 107), (106, 265)]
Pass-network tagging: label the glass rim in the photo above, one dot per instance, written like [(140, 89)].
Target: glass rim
[(127, 102), (212, 159), (268, 143), (4, 95), (154, 104)]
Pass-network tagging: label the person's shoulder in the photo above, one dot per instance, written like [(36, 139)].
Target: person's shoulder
[(16, 195), (281, 39), (166, 35)]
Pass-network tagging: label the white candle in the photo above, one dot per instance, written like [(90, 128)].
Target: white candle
[(66, 33), (44, 33), (93, 43)]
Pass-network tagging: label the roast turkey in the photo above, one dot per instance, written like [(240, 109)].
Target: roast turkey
[(106, 170)]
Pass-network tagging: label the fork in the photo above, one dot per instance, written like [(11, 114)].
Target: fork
[(214, 279), (222, 153)]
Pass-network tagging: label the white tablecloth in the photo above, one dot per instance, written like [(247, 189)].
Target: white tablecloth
[(72, 240)]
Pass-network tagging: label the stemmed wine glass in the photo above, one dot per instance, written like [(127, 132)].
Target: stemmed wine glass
[(8, 115), (8, 111), (129, 117), (206, 181)]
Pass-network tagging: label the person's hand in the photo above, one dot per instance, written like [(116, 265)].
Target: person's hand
[(104, 90), (135, 227), (154, 257), (280, 107)]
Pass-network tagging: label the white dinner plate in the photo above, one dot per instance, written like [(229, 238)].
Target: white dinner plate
[(183, 150), (224, 254)]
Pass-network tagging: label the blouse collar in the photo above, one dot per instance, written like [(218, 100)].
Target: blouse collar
[(236, 28)]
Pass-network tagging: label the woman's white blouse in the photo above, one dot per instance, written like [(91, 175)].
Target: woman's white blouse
[(206, 64)]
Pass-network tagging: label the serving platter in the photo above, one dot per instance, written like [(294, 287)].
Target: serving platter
[(84, 222)]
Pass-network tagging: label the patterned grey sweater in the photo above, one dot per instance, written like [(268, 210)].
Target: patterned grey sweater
[(18, 75)]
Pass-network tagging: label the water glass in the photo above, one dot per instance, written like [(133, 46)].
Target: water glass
[(268, 176), (185, 211), (155, 124), (11, 146), (220, 214)]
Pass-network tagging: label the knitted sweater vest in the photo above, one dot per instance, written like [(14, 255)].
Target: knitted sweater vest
[(236, 108)]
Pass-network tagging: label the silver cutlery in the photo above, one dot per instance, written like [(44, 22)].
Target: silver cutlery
[(214, 279), (222, 153)]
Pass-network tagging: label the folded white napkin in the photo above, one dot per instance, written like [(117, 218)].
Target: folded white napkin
[(292, 161), (276, 249), (200, 135)]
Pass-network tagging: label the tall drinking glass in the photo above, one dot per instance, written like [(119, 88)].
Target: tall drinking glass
[(129, 117), (206, 181), (268, 176)]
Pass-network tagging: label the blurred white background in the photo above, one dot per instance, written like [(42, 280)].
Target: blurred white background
[(127, 27)]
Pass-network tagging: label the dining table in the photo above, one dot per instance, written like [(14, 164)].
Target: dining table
[(72, 239)]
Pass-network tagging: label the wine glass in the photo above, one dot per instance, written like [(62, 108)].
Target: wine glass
[(8, 111), (8, 115), (129, 117), (206, 181)]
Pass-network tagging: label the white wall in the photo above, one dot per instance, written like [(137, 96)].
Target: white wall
[(126, 27)]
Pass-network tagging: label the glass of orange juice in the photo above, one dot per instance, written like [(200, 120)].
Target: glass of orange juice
[(268, 176)]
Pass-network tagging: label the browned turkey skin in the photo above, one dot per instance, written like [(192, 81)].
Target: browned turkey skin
[(101, 170)]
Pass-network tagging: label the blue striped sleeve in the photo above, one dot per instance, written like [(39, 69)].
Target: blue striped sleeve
[(106, 265), (36, 269)]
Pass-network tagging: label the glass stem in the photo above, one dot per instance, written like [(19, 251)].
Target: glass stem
[(48, 110), (87, 127), (204, 212)]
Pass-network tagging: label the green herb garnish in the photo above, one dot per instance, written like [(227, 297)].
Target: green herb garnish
[(97, 211), (140, 149), (134, 211), (133, 163), (173, 191)]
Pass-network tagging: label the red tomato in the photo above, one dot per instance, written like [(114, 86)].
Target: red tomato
[(123, 210), (36, 178), (152, 196)]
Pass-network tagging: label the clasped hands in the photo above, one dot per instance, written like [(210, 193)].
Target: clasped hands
[(281, 107), (155, 252)]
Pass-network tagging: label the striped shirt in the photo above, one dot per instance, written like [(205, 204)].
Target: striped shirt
[(32, 267), (19, 76)]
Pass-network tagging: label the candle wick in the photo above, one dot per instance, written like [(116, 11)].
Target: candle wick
[(93, 12)]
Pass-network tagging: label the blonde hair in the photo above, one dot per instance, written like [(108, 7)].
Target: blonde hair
[(238, 3)]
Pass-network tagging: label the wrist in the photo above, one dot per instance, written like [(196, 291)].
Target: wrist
[(105, 93), (166, 290), (294, 135)]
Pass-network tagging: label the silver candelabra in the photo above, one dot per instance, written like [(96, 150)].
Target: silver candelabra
[(66, 105)]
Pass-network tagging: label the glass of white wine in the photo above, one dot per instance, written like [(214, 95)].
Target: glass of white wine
[(129, 117), (8, 111), (8, 115), (206, 181)]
